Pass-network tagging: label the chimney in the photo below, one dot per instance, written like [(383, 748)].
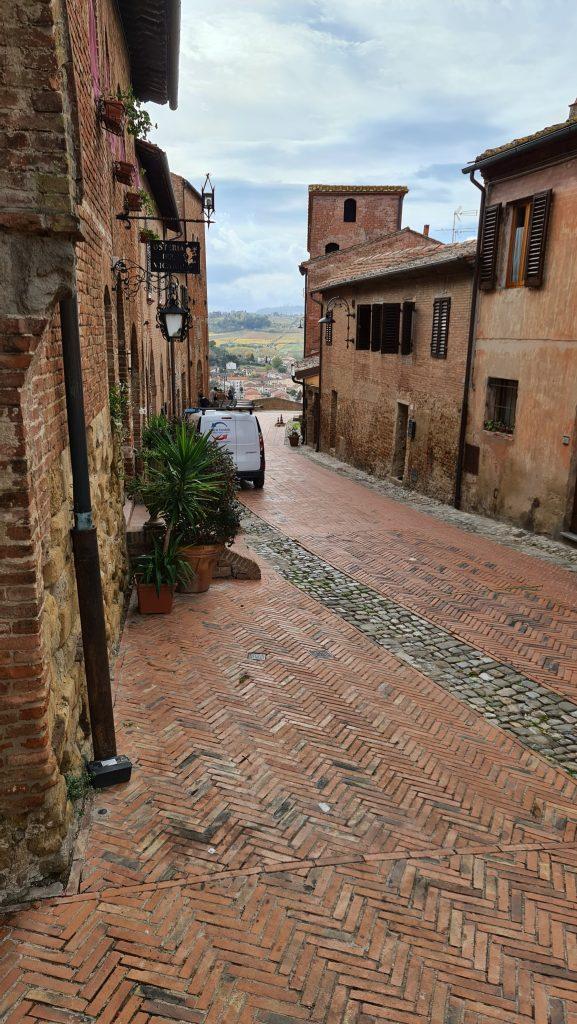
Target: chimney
[(573, 111), (426, 227)]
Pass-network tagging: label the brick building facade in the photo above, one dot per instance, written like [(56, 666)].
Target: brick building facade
[(391, 374), (521, 456), (59, 235)]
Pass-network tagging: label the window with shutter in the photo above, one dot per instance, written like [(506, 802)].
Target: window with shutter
[(537, 238), (407, 328), (391, 327), (440, 333), (363, 327), (376, 327), (489, 247)]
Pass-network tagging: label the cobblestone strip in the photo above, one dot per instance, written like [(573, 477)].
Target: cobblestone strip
[(541, 720)]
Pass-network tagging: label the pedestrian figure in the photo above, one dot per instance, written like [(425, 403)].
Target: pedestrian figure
[(203, 401)]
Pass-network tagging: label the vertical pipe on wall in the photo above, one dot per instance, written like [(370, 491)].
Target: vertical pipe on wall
[(470, 348), (85, 544)]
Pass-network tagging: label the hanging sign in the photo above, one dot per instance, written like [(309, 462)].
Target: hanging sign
[(175, 257)]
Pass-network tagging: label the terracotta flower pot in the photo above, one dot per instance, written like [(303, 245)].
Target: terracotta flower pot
[(202, 559), (124, 172), (132, 202), (111, 115), (151, 603), (294, 440)]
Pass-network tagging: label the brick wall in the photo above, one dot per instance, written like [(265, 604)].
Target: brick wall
[(369, 386), (339, 264), (58, 230)]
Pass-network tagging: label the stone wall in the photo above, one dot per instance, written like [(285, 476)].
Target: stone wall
[(366, 389)]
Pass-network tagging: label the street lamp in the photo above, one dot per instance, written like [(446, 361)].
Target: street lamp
[(208, 198), (173, 320)]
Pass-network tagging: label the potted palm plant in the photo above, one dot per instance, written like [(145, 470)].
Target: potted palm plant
[(157, 575), (204, 539), (182, 485)]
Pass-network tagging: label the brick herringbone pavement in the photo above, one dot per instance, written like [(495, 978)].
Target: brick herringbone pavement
[(518, 609), (314, 831)]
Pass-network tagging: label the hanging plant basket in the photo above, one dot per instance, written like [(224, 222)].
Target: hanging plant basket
[(112, 115), (146, 235), (124, 172), (133, 202)]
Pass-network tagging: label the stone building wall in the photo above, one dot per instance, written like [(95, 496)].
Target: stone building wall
[(369, 385), (529, 335), (58, 232)]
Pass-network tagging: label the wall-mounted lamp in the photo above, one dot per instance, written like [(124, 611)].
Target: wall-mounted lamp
[(328, 319)]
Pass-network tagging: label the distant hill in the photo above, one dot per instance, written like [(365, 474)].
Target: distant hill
[(237, 320), (282, 310)]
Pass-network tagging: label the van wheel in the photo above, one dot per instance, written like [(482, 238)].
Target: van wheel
[(259, 482)]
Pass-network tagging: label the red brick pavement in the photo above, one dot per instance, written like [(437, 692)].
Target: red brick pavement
[(320, 834), (516, 608)]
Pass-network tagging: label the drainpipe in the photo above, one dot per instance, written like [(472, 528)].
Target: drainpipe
[(470, 349), (107, 769), (318, 444)]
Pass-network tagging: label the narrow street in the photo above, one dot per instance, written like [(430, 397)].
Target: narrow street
[(352, 798)]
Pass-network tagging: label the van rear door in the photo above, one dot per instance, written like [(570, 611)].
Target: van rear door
[(223, 431), (247, 444)]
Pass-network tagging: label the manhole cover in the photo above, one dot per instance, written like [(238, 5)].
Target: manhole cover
[(256, 656)]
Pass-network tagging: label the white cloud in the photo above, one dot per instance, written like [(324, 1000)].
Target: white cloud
[(285, 92)]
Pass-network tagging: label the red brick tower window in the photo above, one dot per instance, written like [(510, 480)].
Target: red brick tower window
[(350, 211)]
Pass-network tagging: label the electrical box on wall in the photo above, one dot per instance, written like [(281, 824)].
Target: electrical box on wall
[(411, 429)]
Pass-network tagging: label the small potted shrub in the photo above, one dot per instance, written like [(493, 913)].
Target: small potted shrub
[(112, 115), (124, 171), (294, 437), (147, 235), (157, 575)]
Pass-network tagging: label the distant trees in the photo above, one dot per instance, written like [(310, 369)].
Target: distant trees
[(277, 364), (238, 320)]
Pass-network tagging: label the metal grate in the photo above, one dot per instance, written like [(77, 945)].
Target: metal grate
[(501, 405)]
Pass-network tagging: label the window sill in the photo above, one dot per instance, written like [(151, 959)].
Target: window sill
[(499, 433)]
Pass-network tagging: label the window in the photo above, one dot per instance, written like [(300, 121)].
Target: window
[(376, 328), (501, 405), (440, 333), (520, 215), (363, 328), (391, 328), (331, 247), (527, 243), (407, 331), (350, 211)]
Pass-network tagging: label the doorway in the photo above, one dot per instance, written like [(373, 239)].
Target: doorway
[(333, 423), (400, 449)]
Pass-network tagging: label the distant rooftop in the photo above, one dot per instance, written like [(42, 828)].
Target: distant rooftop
[(359, 189), (508, 148), (391, 262)]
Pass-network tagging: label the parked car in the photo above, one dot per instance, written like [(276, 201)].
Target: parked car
[(240, 434)]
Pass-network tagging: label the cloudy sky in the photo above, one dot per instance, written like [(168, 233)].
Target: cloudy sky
[(275, 94)]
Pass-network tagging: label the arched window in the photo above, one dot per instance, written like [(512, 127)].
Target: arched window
[(332, 247), (350, 211)]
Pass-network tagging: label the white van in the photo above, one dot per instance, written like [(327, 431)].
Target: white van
[(240, 434)]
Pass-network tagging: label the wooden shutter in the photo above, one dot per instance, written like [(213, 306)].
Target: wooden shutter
[(376, 327), (489, 247), (440, 333), (363, 327), (407, 329), (537, 238), (391, 327)]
